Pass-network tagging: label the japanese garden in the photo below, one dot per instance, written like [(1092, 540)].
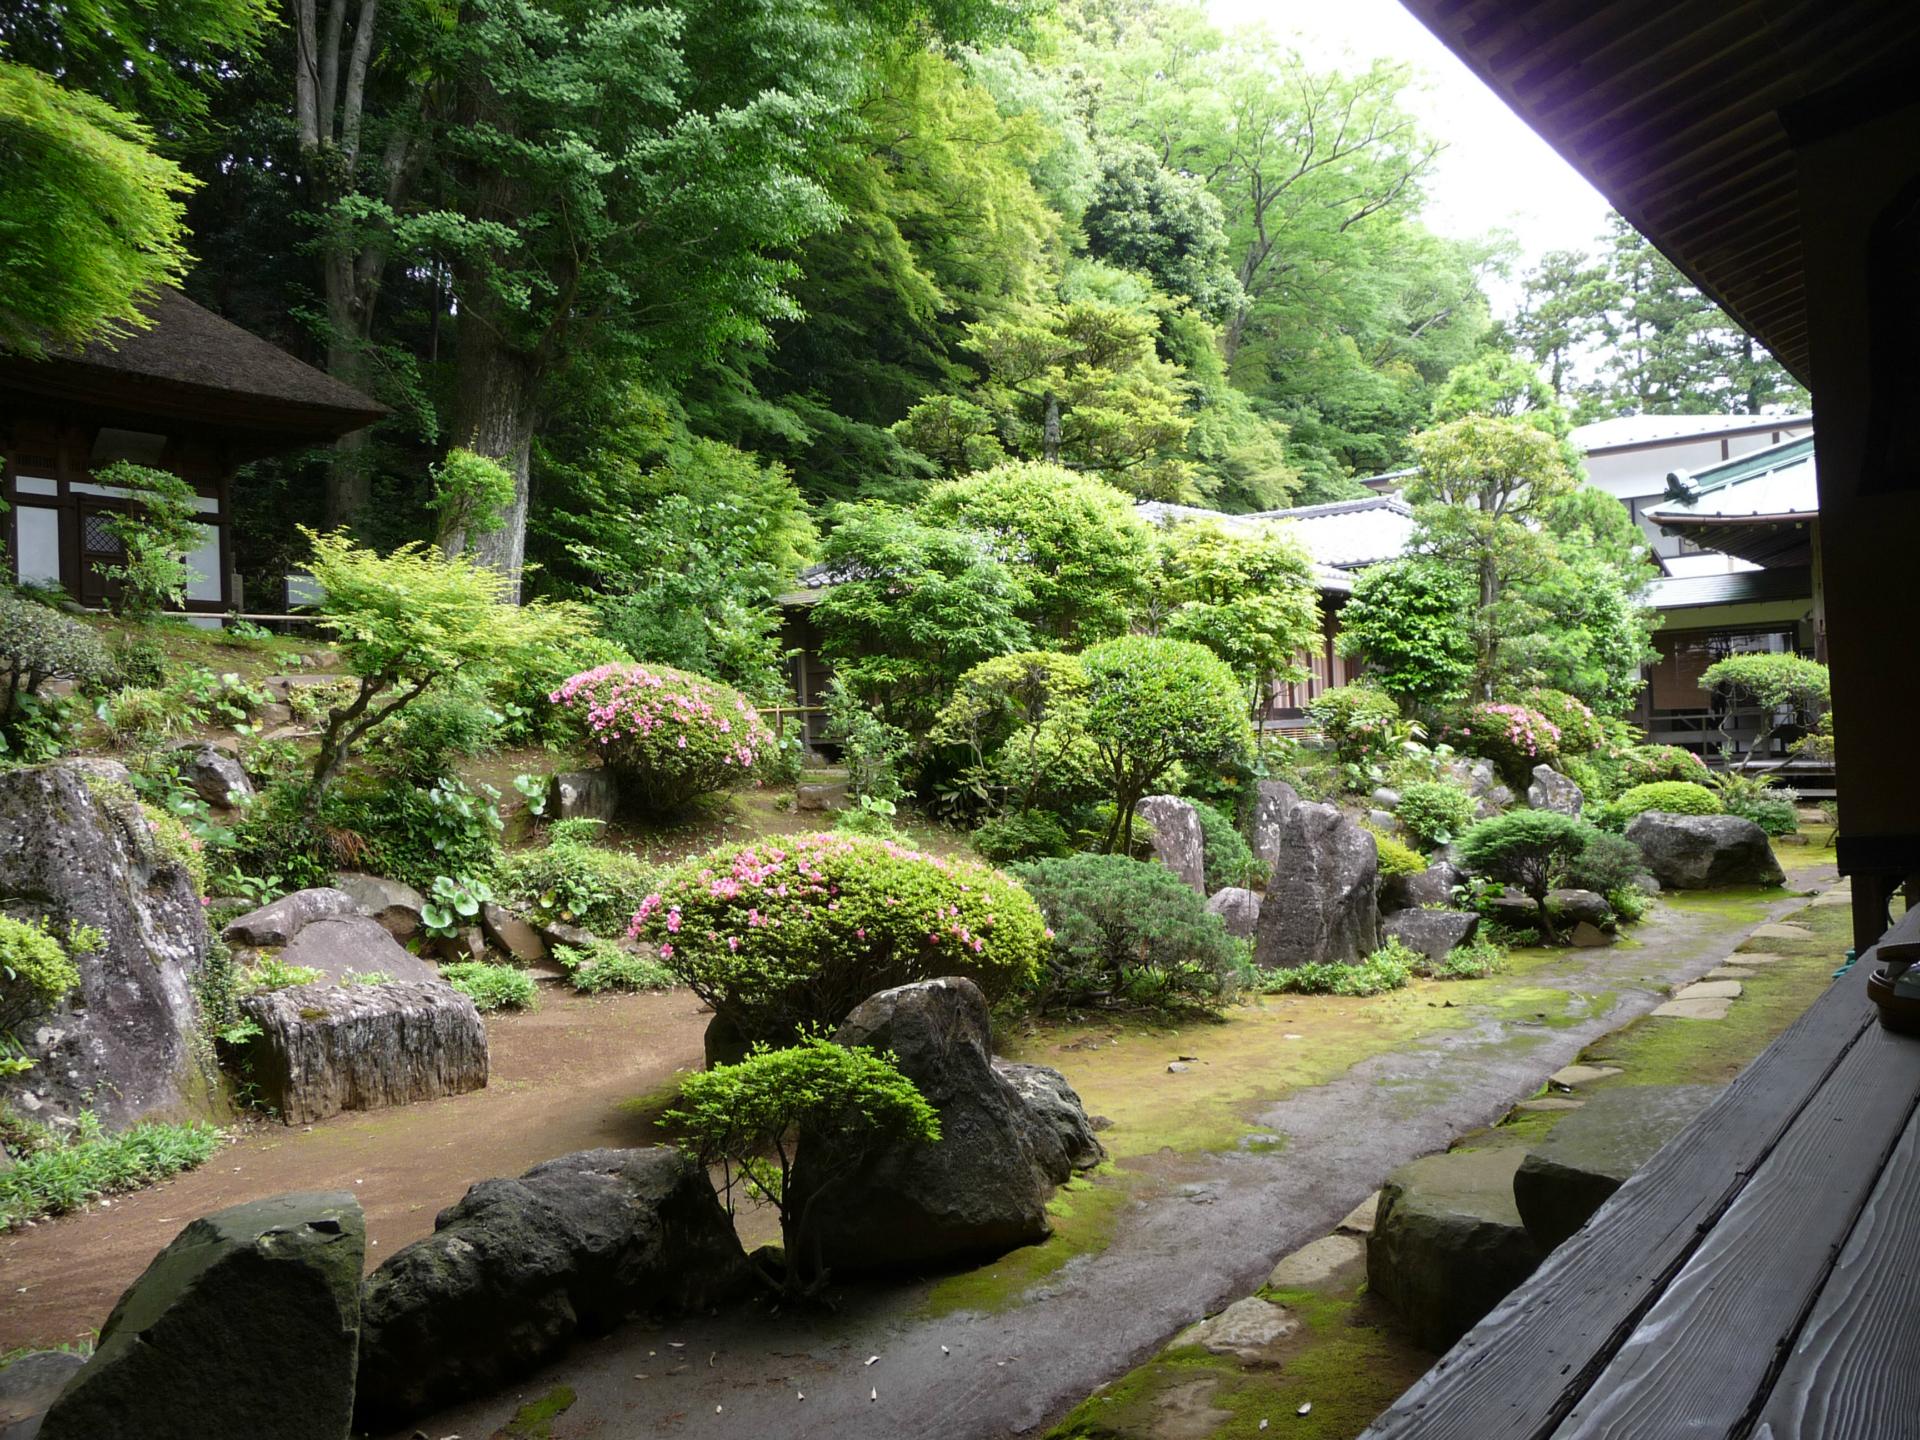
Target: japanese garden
[(869, 719)]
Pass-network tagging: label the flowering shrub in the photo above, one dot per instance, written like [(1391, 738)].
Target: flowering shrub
[(1580, 729), (1513, 737), (1360, 721), (1646, 764), (669, 736), (780, 936)]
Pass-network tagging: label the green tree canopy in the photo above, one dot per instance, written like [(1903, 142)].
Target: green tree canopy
[(1250, 598)]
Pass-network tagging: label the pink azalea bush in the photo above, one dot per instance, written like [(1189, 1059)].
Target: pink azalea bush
[(1514, 737), (669, 737), (779, 936)]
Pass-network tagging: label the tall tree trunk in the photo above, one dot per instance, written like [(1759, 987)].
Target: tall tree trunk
[(1050, 429), (349, 326), (494, 417)]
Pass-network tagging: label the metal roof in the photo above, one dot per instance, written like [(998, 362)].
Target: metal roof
[(1624, 432), (1342, 534), (1673, 109), (1743, 587), (1777, 483)]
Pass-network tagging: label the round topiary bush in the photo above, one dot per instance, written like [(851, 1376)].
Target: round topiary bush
[(781, 936), (1645, 764), (1675, 797), (1513, 737), (1130, 932), (669, 736), (1435, 812), (1580, 730)]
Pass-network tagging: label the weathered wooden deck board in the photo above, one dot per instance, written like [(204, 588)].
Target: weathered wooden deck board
[(1521, 1371), (1701, 1360), (1851, 1371)]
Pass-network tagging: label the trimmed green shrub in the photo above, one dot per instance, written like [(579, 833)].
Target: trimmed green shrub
[(1229, 859), (602, 966), (1608, 863), (1129, 932), (1434, 811), (38, 644), (669, 736), (577, 882), (1774, 814), (1359, 721), (489, 986), (1036, 835), (777, 935), (437, 730), (1580, 730), (55, 1174), (36, 973), (745, 1121), (1647, 764), (1513, 737), (1674, 797), (1396, 857), (1530, 849)]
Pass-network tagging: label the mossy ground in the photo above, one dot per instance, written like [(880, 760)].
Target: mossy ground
[(534, 1420)]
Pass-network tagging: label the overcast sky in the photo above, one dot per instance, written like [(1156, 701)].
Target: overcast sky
[(1495, 172)]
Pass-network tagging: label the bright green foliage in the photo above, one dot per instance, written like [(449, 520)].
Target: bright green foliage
[(1613, 768), (1608, 865), (777, 935), (415, 833), (437, 731), (269, 973), (155, 536), (1503, 386), (1436, 812), (575, 881), (870, 748), (1152, 704), (1071, 542), (524, 696), (35, 972), (1251, 599), (37, 644), (491, 987), (1674, 797), (1530, 849), (669, 737), (1579, 729), (604, 966), (1143, 216), (1023, 835), (919, 607), (1752, 797), (1359, 720), (91, 220), (1778, 685), (1408, 620), (1513, 737), (471, 494), (1396, 856), (1129, 932), (1022, 715), (411, 620), (1229, 859), (871, 817), (1588, 630), (747, 1121), (1388, 968), (56, 1173), (452, 903)]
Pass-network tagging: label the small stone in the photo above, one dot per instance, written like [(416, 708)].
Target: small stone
[(1729, 972), (512, 934), (1178, 1067), (1694, 1009), (1312, 1265), (1359, 1220), (1571, 1077), (1783, 931), (1245, 1329), (1238, 909), (1709, 990), (1588, 936)]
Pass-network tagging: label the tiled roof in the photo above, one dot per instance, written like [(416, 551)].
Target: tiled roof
[(1777, 483), (1743, 587), (1350, 533)]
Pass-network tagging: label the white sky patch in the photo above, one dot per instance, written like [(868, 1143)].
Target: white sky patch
[(1495, 173)]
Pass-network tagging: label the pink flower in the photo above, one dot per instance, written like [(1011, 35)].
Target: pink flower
[(666, 952), (733, 942), (673, 922), (860, 934)]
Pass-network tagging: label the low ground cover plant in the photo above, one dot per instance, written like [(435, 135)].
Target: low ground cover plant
[(1435, 812), (53, 1174), (1388, 968), (669, 737), (1396, 856), (603, 966), (490, 986), (1129, 932), (575, 881), (780, 934)]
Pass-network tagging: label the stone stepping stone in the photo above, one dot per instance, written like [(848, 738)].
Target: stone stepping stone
[(1571, 1077), (1311, 1266), (1754, 957), (1782, 931), (1834, 897), (1729, 972), (1543, 1103), (1449, 1244), (1694, 1009), (1577, 1165), (1709, 990), (1244, 1330), (1359, 1220)]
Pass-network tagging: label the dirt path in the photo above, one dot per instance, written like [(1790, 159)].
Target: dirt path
[(560, 1079), (1181, 1225)]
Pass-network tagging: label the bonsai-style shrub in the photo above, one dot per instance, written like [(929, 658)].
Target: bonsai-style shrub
[(38, 644), (1785, 689), (1530, 849), (35, 973), (1229, 859), (1580, 730), (1435, 812), (1026, 835), (1608, 863), (1129, 932), (1675, 797), (746, 1121), (669, 736), (1152, 704), (577, 882), (778, 936), (1358, 720), (1512, 736), (490, 987)]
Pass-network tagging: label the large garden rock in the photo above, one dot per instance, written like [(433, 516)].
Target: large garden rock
[(246, 1326), (1434, 933), (327, 1048), (29, 1384), (1273, 802), (981, 1189), (518, 1268), (1323, 901), (75, 848), (1698, 852), (583, 795), (395, 907), (1178, 842), (1432, 886), (1238, 909), (1551, 790), (279, 921), (1590, 1153), (211, 773), (1448, 1244), (1577, 905), (1057, 1125), (514, 936), (354, 945)]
